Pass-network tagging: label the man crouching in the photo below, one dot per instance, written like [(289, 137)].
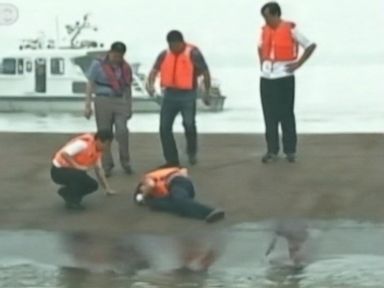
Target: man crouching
[(70, 165)]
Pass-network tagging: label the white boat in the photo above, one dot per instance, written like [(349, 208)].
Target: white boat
[(41, 77)]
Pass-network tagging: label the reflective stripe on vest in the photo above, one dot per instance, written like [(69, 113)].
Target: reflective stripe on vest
[(278, 44), (177, 70), (160, 177), (88, 157)]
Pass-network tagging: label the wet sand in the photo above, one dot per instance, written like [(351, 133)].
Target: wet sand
[(336, 176)]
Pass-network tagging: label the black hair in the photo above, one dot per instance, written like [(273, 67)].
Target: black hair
[(138, 188), (175, 36), (104, 135), (273, 8), (118, 47)]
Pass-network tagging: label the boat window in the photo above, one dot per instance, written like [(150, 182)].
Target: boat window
[(28, 66), (20, 66), (9, 66), (57, 66)]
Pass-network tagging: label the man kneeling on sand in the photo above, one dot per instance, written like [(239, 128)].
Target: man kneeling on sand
[(170, 189), (70, 165)]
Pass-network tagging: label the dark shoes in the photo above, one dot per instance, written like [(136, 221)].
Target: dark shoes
[(269, 157), (70, 203), (215, 215), (128, 169), (192, 159), (108, 172), (74, 206)]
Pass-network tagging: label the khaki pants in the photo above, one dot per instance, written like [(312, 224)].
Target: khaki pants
[(114, 112)]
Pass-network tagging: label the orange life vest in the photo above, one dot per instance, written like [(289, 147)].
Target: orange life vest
[(88, 157), (278, 44), (177, 70), (160, 177)]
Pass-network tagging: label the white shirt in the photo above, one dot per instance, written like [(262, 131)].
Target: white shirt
[(277, 69), (72, 149)]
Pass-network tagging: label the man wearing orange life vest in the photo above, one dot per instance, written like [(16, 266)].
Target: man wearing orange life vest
[(179, 67), (279, 58), (70, 165), (110, 80), (169, 189)]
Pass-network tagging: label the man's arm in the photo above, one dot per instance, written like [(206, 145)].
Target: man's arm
[(150, 85), (203, 70), (71, 150), (308, 46), (207, 80), (306, 55), (72, 162), (90, 88), (128, 96), (102, 179), (151, 81), (259, 52)]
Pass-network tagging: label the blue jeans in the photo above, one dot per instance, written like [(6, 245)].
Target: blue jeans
[(180, 200), (176, 101)]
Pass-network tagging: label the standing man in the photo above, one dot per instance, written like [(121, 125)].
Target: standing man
[(110, 79), (279, 59), (179, 67), (70, 165)]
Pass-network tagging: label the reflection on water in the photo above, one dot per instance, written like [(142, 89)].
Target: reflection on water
[(332, 254)]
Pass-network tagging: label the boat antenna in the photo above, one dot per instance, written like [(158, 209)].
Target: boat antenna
[(78, 27)]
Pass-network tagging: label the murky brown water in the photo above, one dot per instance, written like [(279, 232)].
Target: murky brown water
[(333, 254)]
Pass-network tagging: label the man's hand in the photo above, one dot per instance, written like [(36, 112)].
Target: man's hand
[(307, 53), (88, 111), (110, 192), (130, 110), (206, 97), (291, 67), (150, 89)]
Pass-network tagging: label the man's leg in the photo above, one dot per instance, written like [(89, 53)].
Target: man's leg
[(81, 184), (87, 185), (76, 184), (62, 176), (168, 113), (188, 112), (161, 204), (270, 106), (286, 89), (121, 116), (104, 121), (182, 194)]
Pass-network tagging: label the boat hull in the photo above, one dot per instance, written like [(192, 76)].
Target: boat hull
[(74, 104)]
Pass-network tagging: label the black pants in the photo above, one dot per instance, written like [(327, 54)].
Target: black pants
[(176, 101), (180, 200), (75, 183), (277, 98)]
